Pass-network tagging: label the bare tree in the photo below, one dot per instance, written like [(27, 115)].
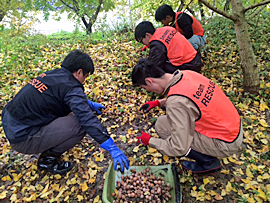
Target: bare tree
[(83, 15), (248, 61)]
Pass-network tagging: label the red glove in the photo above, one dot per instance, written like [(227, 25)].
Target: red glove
[(149, 105), (144, 138), (144, 48)]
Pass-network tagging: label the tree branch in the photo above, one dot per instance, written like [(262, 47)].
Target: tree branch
[(223, 13), (97, 11), (75, 4), (256, 5), (257, 12), (72, 8), (84, 21)]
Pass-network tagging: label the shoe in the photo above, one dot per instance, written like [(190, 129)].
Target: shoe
[(54, 165), (204, 164)]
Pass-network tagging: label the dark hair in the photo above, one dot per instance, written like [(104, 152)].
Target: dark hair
[(76, 60), (142, 28), (163, 11), (145, 69)]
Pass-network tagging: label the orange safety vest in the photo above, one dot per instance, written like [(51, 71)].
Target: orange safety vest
[(179, 49), (196, 26), (218, 117)]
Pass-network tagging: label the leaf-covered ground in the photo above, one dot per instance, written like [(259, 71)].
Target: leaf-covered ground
[(244, 176)]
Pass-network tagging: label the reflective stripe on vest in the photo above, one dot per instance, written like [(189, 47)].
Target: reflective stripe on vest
[(196, 26), (218, 117), (179, 49)]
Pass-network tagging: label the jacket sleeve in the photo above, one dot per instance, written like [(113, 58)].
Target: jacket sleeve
[(78, 104), (181, 114), (158, 54), (185, 23)]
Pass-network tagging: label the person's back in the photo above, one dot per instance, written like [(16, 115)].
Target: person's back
[(187, 25), (179, 22), (49, 91), (179, 50), (169, 50), (214, 106)]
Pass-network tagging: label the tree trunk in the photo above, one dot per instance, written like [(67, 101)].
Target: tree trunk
[(88, 26), (248, 60), (180, 8), (227, 5), (201, 10), (2, 15)]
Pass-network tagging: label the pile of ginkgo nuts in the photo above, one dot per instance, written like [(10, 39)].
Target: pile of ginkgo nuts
[(142, 187)]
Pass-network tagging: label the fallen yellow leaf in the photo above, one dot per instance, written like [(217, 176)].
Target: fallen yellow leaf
[(45, 189), (84, 187), (13, 198), (165, 158), (231, 159), (225, 161), (55, 187), (263, 105), (6, 178), (96, 200), (80, 197), (16, 177), (262, 194), (157, 161), (223, 192), (248, 173), (245, 181), (33, 197), (151, 150), (206, 180), (58, 176), (136, 149), (229, 187), (3, 195), (263, 123)]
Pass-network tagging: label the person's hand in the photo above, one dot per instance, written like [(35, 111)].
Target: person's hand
[(149, 105), (95, 106), (144, 138), (117, 155)]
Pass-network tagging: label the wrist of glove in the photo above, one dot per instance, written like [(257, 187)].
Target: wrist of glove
[(144, 138), (149, 105), (144, 48), (117, 155), (95, 106)]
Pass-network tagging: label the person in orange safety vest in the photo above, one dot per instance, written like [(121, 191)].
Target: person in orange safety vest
[(201, 123), (169, 50), (187, 25)]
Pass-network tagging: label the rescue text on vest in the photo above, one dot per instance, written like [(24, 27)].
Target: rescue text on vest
[(208, 95)]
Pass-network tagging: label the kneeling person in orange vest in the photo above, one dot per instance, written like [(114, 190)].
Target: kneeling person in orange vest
[(201, 123), (169, 50), (187, 25)]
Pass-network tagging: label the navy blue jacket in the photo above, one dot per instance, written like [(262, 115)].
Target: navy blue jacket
[(51, 95)]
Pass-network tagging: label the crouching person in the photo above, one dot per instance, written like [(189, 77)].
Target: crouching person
[(200, 123), (38, 119)]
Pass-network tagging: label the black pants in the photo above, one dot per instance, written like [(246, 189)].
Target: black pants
[(58, 136), (195, 65)]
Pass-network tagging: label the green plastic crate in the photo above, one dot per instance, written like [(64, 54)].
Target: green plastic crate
[(168, 172)]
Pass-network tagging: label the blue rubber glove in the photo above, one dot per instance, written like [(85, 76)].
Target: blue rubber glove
[(117, 155), (95, 106)]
